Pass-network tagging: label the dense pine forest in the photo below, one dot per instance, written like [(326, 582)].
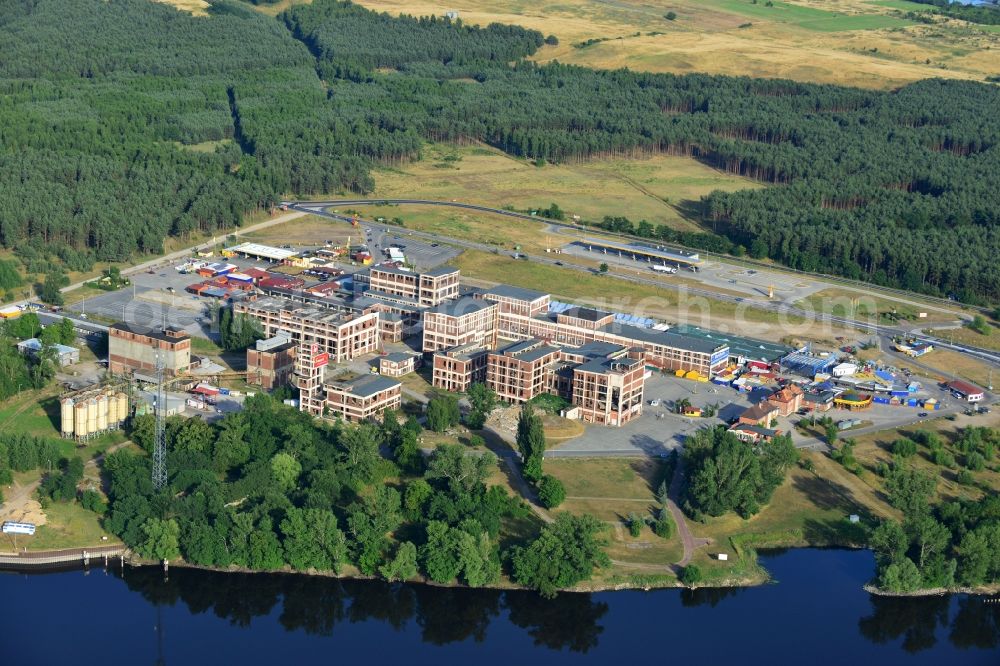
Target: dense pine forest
[(107, 109)]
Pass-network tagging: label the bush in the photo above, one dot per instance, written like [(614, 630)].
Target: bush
[(635, 523), (92, 501), (943, 458), (965, 478), (551, 491), (975, 461), (690, 575), (664, 526), (670, 16), (904, 448), (475, 420)]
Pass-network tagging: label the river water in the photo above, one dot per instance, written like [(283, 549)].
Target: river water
[(816, 613)]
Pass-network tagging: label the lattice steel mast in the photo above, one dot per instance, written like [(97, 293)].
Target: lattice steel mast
[(160, 439)]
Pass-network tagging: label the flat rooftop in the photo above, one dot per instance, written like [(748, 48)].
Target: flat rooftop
[(366, 385), (661, 252), (751, 348), (596, 349), (399, 357), (263, 251), (463, 306), (518, 293), (302, 310), (671, 338), (440, 271), (606, 365), (528, 350), (155, 333), (586, 314), (463, 352)]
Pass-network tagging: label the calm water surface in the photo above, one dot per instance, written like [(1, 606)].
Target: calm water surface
[(816, 614)]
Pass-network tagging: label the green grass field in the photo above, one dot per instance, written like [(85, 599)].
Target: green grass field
[(807, 17), (68, 525)]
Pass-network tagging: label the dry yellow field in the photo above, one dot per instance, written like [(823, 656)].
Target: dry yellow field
[(864, 43), (196, 7), (851, 42), (649, 189)]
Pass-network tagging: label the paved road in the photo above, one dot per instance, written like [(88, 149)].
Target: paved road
[(320, 208), (184, 253)]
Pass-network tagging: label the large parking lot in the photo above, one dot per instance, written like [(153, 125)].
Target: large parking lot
[(660, 430), (158, 297), (422, 255)]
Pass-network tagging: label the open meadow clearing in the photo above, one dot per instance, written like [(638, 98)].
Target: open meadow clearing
[(651, 189), (865, 43)]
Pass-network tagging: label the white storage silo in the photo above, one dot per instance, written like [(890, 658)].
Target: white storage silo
[(123, 410), (91, 416), (102, 413), (112, 411), (67, 417), (80, 419)]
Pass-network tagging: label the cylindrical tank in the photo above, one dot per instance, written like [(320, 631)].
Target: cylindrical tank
[(80, 419), (113, 411), (123, 411), (102, 413), (91, 415), (67, 417)]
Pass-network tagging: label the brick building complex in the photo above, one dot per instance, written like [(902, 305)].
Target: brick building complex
[(603, 382), (523, 315), (359, 399), (344, 336), (132, 348)]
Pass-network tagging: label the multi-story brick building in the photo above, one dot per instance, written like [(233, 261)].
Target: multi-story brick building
[(608, 391), (271, 362), (134, 348), (456, 369), (360, 399), (425, 289), (460, 322), (343, 335), (522, 370), (578, 326), (515, 300)]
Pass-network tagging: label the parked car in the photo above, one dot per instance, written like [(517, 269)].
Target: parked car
[(655, 402), (922, 414)]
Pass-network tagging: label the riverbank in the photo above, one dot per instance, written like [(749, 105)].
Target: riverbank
[(31, 561)]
